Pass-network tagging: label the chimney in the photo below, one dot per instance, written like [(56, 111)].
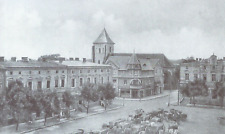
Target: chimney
[(71, 58), (2, 59), (84, 59), (24, 59), (13, 58), (76, 59)]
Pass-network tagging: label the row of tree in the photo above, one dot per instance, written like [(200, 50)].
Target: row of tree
[(104, 93), (199, 88), (20, 104)]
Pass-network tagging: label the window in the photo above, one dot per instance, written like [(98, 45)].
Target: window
[(39, 72), (80, 71), (95, 70), (213, 77), (204, 77), (30, 85), (48, 72), (72, 71), (107, 70), (19, 72), (186, 76), (88, 80), (62, 82), (110, 49), (56, 71), (63, 71), (205, 67), (72, 82), (213, 67), (114, 80), (30, 72), (101, 70), (195, 76), (186, 67), (88, 71), (102, 80), (108, 78), (81, 81), (125, 82), (95, 81), (99, 62), (39, 86), (56, 83), (11, 73), (99, 50), (48, 83)]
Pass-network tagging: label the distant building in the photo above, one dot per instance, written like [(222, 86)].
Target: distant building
[(209, 70)]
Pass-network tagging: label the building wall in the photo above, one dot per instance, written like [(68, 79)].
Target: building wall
[(88, 73), (2, 80), (36, 75), (204, 71), (101, 51)]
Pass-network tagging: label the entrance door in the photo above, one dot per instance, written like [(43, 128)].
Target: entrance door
[(134, 93)]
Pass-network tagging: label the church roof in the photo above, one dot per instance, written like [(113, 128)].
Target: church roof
[(163, 60), (103, 38)]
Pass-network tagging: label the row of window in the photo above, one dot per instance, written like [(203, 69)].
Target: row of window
[(204, 77), (89, 71), (31, 72), (102, 50), (73, 83), (205, 67), (48, 85)]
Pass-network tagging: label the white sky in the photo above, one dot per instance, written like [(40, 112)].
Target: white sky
[(176, 28)]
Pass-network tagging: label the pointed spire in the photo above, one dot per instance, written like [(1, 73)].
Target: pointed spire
[(133, 59), (103, 38)]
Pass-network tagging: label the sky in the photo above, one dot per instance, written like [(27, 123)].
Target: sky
[(177, 28)]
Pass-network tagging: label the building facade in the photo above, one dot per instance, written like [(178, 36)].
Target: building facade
[(209, 70), (82, 72), (36, 75), (2, 79)]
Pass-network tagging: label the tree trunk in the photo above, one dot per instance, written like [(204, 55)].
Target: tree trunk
[(45, 119), (87, 107), (17, 125)]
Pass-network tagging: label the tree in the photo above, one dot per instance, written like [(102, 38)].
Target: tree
[(193, 89), (68, 100), (17, 101), (220, 91), (87, 94), (108, 93), (3, 110)]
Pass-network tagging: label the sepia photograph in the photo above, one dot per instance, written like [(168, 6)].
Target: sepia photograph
[(112, 67)]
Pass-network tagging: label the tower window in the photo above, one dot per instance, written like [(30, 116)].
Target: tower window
[(99, 50), (98, 61)]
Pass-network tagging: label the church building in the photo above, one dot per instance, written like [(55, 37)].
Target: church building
[(134, 75)]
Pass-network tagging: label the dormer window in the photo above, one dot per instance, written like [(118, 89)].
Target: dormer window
[(144, 65)]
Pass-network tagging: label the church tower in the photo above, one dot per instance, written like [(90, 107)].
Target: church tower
[(102, 47)]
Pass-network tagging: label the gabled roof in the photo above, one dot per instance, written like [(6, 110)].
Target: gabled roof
[(133, 59), (163, 61), (122, 61), (103, 38)]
